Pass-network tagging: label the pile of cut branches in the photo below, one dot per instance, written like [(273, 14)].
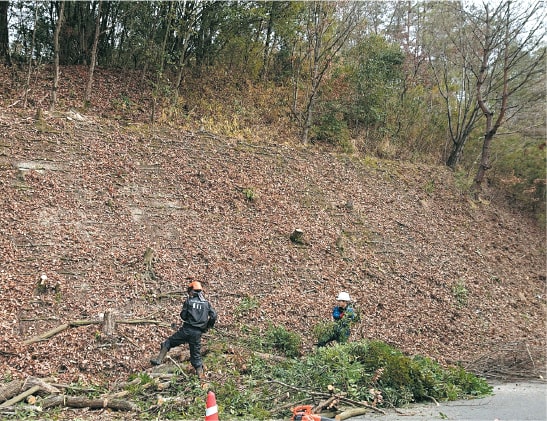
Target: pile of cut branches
[(41, 394), (511, 361)]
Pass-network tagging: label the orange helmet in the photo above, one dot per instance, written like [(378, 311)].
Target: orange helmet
[(195, 285)]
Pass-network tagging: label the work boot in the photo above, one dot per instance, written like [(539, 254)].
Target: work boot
[(161, 356), (200, 372)]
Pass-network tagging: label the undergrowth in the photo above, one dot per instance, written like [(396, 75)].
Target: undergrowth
[(258, 387), (267, 379)]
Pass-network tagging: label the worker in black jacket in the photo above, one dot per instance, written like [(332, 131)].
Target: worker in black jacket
[(198, 316)]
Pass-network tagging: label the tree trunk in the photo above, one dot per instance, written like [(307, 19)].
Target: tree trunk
[(87, 96), (267, 42), (323, 47), (29, 72), (484, 165), (455, 153), (56, 60), (5, 56), (316, 75)]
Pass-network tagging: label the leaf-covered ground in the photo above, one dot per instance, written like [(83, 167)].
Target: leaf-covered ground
[(83, 196)]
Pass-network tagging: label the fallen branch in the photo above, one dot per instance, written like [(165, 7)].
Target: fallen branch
[(361, 403), (60, 329), (71, 387), (142, 322), (433, 399), (327, 404), (77, 323)]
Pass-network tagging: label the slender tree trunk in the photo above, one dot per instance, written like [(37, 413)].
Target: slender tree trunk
[(484, 164), (29, 72), (163, 52), (317, 40), (266, 55), (5, 56), (56, 61), (87, 97), (185, 35)]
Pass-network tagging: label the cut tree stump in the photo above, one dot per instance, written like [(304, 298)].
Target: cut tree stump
[(297, 236), (109, 324)]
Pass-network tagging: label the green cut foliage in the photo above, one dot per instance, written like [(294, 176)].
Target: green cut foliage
[(280, 339), (369, 371)]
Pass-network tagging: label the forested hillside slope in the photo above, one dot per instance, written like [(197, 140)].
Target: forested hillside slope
[(117, 212)]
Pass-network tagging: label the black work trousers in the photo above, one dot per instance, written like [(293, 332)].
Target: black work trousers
[(187, 335)]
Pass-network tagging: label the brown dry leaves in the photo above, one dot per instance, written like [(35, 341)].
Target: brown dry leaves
[(82, 201)]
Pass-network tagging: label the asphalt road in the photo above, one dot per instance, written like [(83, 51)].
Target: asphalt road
[(509, 402)]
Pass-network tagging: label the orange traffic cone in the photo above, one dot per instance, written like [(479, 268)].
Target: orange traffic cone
[(211, 413)]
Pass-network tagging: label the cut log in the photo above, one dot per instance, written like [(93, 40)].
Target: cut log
[(43, 385), (351, 413), (20, 388), (361, 404), (20, 397), (9, 390), (83, 402)]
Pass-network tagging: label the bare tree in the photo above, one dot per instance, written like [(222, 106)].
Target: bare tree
[(511, 56), (328, 27), (450, 55), (479, 59)]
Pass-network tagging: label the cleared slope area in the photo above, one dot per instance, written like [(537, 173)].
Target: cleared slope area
[(83, 198)]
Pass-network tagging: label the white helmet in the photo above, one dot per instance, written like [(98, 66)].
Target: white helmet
[(343, 296)]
